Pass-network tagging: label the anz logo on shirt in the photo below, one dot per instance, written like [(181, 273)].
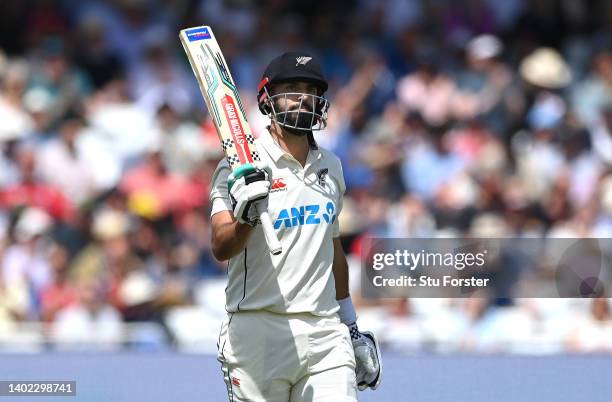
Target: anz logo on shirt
[(305, 215)]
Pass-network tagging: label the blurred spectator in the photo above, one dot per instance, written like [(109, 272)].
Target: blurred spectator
[(62, 163), (9, 172), (430, 164), (478, 146), (601, 136), (120, 131), (410, 218), (109, 258), (89, 323), (486, 86), (130, 26), (592, 331), (60, 293), (582, 167), (38, 102), (538, 155), (25, 263), (161, 80), (93, 52), (428, 90), (595, 92), (15, 303), (153, 191), (182, 143), (195, 260), (29, 190), (58, 77), (16, 122)]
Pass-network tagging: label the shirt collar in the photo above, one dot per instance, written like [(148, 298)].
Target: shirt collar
[(273, 149), (276, 152)]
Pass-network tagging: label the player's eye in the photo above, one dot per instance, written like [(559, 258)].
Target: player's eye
[(312, 90)]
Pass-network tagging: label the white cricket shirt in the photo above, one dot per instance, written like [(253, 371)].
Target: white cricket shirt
[(303, 204)]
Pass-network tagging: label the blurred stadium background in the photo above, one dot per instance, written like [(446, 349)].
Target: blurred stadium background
[(477, 117)]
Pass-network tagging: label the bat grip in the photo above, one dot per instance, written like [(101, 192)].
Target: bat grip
[(273, 243)]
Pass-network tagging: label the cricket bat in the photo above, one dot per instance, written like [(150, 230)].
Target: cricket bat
[(227, 112)]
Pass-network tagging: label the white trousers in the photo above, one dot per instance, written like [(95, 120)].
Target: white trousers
[(268, 357)]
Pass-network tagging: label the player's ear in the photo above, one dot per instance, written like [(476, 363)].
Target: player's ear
[(273, 89), (266, 106)]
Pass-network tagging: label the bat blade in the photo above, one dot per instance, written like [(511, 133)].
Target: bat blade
[(221, 95), (223, 102)]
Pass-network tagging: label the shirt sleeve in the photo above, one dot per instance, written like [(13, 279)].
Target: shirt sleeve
[(219, 194), (339, 204)]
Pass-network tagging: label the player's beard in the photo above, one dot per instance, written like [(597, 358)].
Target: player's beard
[(301, 120), (304, 120)]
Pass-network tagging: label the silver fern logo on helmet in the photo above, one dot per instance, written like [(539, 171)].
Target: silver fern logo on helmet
[(302, 60)]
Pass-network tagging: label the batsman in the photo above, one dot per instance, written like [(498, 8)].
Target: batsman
[(291, 330)]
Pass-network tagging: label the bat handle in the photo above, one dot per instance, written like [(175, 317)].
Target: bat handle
[(273, 243)]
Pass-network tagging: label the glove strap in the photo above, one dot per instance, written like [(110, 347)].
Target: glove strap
[(354, 331)]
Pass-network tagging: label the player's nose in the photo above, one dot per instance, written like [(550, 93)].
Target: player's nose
[(306, 99)]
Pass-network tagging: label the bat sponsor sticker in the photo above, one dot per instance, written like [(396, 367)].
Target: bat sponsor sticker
[(238, 134), (197, 34)]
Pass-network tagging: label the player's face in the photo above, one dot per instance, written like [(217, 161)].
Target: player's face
[(298, 103), (293, 91)]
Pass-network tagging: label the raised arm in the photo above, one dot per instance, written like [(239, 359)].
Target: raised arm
[(234, 210), (229, 236)]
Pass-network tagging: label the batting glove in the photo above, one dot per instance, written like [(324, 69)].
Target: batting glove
[(249, 187), (368, 363), (368, 366)]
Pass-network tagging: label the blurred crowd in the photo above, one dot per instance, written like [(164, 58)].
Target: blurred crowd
[(483, 118)]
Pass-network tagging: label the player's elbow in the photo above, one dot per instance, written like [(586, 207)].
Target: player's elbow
[(220, 250), (221, 235), (223, 247), (228, 236), (221, 255)]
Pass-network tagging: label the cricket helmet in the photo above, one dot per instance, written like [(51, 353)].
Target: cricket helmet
[(299, 67)]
